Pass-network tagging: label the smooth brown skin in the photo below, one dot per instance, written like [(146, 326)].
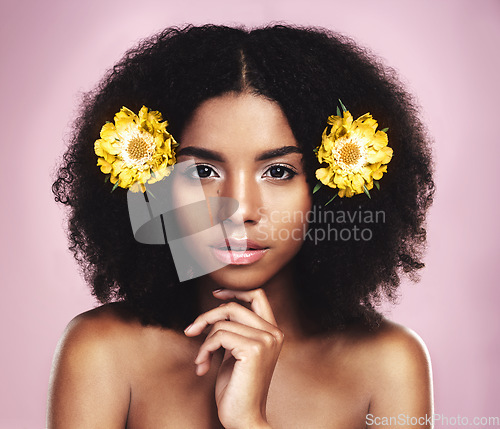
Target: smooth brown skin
[(252, 362)]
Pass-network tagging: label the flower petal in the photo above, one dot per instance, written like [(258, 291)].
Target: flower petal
[(357, 183), (106, 167), (108, 132), (324, 175)]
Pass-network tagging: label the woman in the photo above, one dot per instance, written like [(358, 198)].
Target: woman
[(315, 241)]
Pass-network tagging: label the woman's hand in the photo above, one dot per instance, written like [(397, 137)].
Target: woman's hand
[(252, 343)]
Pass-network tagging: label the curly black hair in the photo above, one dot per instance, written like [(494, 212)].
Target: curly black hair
[(306, 71)]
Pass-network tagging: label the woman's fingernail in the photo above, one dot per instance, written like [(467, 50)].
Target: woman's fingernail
[(188, 328), (216, 290)]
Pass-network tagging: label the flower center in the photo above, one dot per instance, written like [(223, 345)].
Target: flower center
[(350, 154), (138, 149)]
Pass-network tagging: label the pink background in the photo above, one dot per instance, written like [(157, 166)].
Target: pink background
[(446, 51)]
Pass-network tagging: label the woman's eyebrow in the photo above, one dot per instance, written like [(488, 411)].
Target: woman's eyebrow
[(201, 153), (217, 156), (274, 153)]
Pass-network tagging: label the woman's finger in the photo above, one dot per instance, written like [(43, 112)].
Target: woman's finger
[(230, 311), (237, 328), (240, 347), (204, 356), (256, 298)]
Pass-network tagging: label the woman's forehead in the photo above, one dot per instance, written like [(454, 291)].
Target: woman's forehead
[(238, 121)]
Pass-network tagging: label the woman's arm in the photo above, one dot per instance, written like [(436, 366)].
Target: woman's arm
[(88, 387), (402, 380)]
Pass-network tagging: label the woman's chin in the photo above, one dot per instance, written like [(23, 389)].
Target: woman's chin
[(239, 277)]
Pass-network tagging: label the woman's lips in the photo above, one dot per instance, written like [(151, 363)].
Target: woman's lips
[(238, 251)]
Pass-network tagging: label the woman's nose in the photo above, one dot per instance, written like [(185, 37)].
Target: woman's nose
[(243, 188)]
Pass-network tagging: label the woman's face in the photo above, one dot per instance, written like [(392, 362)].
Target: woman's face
[(243, 148)]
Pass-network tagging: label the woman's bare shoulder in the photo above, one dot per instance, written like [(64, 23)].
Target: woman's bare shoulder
[(98, 361), (102, 322), (114, 328), (388, 346), (396, 346), (396, 367), (89, 383), (100, 330), (94, 341)]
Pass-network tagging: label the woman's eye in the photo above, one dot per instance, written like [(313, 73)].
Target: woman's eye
[(202, 172), (280, 172)]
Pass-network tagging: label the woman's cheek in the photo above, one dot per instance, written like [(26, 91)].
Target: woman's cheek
[(285, 222)]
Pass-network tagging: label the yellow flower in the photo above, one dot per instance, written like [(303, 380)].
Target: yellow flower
[(135, 149), (355, 154)]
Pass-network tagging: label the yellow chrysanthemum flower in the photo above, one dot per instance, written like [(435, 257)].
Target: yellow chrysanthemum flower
[(355, 152), (136, 149)]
